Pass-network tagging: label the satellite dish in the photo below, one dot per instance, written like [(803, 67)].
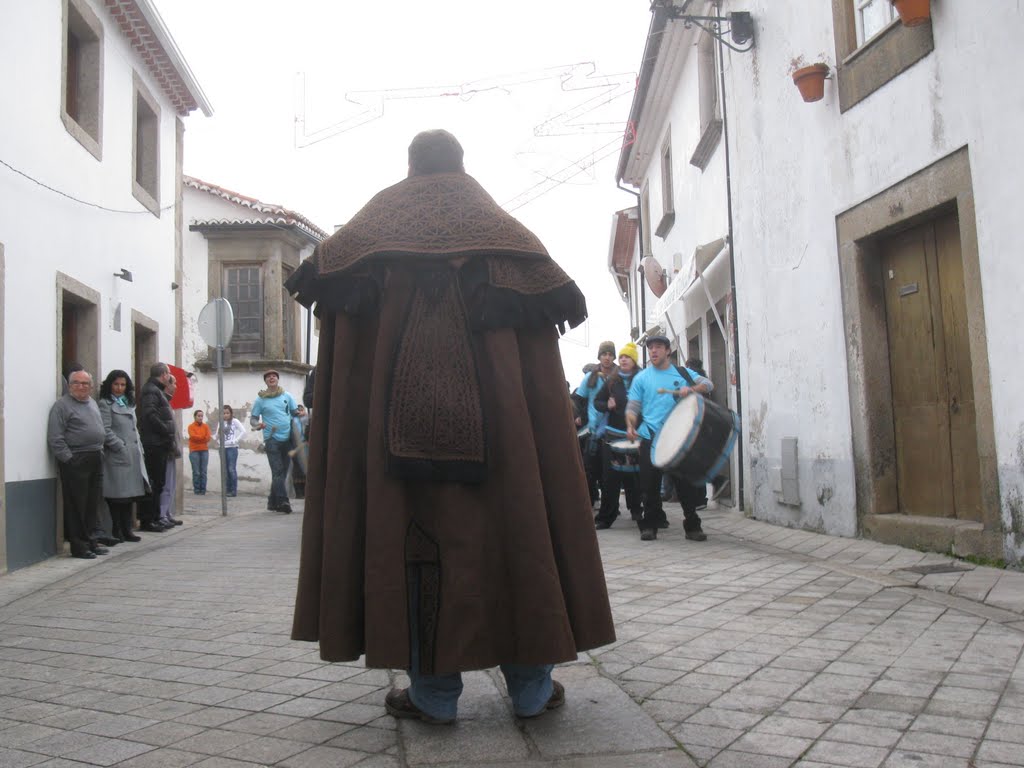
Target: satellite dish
[(654, 274)]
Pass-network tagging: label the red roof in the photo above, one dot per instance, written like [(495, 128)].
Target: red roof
[(278, 213)]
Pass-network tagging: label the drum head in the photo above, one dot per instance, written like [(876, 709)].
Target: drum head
[(625, 446), (677, 433)]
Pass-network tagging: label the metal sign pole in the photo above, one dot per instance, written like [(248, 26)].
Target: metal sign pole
[(216, 326), (220, 405)]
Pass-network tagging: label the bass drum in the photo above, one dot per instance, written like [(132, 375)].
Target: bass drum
[(696, 440)]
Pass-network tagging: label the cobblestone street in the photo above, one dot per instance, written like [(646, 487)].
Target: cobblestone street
[(763, 647)]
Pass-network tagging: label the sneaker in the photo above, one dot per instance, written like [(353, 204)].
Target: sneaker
[(398, 704), (648, 534), (696, 536), (557, 699)]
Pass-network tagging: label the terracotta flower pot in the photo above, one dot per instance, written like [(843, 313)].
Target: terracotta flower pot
[(811, 81), (913, 12)]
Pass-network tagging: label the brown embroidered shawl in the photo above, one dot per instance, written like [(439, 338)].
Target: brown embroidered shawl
[(475, 268)]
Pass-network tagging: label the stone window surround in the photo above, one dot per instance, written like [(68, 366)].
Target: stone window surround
[(863, 70), (92, 143), (233, 254), (710, 108), (150, 198), (941, 187), (668, 206)]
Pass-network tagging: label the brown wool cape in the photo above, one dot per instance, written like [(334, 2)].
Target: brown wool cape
[(442, 450)]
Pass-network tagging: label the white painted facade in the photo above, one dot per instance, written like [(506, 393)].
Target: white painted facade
[(240, 386), (692, 252), (49, 238), (796, 168)]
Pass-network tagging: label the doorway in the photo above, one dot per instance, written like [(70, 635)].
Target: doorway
[(934, 416), (144, 348)]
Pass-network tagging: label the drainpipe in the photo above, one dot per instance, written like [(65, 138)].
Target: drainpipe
[(640, 243), (732, 266)]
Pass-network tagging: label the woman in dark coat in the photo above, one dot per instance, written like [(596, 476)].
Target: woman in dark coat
[(447, 524), (124, 472)]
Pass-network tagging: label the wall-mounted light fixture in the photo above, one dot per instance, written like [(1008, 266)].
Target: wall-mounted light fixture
[(124, 274), (739, 25)]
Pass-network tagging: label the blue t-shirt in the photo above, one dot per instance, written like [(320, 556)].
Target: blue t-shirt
[(596, 420), (276, 415), (655, 408)]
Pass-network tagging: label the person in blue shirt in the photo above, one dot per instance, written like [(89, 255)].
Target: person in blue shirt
[(272, 412), (652, 396), (596, 421), (612, 401)]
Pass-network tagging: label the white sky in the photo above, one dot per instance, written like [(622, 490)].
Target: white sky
[(247, 54)]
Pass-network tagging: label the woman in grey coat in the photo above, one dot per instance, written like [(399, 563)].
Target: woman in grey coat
[(124, 471)]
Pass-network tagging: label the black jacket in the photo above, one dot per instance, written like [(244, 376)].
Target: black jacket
[(156, 419), (614, 387)]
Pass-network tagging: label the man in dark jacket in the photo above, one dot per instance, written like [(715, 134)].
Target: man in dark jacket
[(156, 426)]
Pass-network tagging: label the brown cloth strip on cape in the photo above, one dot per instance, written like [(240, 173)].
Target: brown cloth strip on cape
[(439, 227)]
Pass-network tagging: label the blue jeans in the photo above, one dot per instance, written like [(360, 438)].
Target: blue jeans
[(231, 470), (529, 685), (277, 456), (200, 460)]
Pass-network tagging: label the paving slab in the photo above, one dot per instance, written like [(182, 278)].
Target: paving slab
[(761, 647)]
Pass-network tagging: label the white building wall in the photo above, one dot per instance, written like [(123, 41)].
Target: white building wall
[(797, 165), (240, 389), (45, 233)]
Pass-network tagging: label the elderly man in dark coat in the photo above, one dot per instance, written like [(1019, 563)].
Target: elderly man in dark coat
[(447, 523)]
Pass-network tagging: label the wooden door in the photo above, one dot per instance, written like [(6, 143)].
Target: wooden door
[(938, 472)]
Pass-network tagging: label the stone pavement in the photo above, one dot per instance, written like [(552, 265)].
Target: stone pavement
[(763, 647)]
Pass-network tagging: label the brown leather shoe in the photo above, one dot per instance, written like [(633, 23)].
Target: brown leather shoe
[(398, 704), (557, 699)]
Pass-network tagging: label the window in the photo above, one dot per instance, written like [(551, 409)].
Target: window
[(710, 112), (243, 288), (871, 48), (146, 148), (871, 17), (81, 97), (668, 208)]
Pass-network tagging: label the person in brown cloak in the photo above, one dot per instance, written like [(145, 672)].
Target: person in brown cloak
[(447, 524)]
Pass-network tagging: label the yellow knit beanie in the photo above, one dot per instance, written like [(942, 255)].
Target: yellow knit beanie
[(630, 351)]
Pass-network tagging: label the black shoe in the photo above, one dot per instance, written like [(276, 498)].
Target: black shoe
[(663, 524), (649, 534), (87, 555), (272, 507), (132, 537), (173, 521), (152, 528), (696, 536), (602, 525), (98, 550), (107, 541), (286, 508)]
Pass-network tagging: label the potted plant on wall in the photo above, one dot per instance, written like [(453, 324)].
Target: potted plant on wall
[(913, 12), (810, 81)]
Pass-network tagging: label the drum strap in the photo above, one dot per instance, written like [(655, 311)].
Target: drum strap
[(686, 375)]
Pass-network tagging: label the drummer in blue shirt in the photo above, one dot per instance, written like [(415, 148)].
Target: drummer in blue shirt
[(652, 396)]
